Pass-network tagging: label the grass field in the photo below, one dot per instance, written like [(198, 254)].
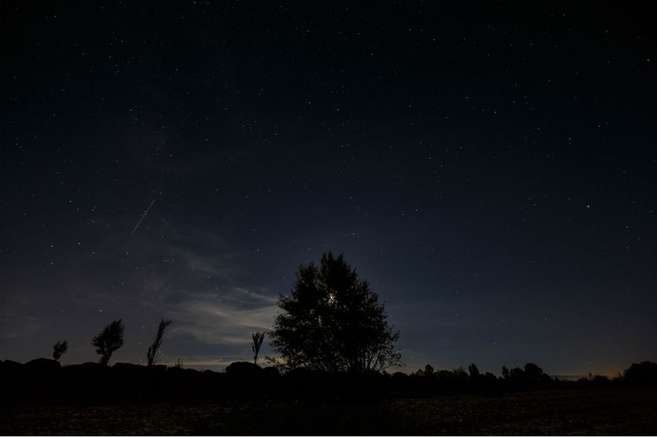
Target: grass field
[(592, 410)]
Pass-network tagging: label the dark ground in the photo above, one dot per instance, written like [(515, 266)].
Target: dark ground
[(592, 410)]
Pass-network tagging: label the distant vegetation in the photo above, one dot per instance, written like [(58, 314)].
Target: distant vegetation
[(333, 340), (154, 349), (59, 349), (256, 343), (645, 372), (108, 341), (46, 380)]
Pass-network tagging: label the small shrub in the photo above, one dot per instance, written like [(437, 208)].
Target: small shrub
[(108, 341), (59, 349)]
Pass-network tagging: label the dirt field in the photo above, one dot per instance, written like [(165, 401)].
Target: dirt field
[(595, 410)]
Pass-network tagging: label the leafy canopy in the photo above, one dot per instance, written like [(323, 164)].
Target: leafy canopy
[(332, 321), (108, 340)]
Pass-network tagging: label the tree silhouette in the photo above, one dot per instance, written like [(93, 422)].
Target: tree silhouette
[(473, 370), (108, 340), (59, 349), (534, 373), (154, 349), (333, 322), (428, 370), (256, 342), (644, 372)]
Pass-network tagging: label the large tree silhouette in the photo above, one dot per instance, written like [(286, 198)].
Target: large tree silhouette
[(333, 322), (108, 340)]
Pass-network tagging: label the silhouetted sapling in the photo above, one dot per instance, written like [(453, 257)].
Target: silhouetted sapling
[(473, 370), (108, 340), (154, 349), (428, 370), (59, 349), (256, 342), (333, 322)]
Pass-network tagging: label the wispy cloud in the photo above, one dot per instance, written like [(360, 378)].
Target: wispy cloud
[(226, 317)]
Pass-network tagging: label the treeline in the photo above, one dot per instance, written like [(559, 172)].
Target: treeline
[(44, 380), (333, 341), (111, 339)]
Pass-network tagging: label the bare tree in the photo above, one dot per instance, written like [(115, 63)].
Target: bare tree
[(256, 342), (108, 340), (154, 349), (59, 349)]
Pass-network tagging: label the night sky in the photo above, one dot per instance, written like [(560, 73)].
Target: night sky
[(490, 168)]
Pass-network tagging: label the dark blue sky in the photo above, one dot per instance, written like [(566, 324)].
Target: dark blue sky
[(490, 168)]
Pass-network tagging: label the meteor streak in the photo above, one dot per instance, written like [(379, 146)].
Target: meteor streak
[(143, 216)]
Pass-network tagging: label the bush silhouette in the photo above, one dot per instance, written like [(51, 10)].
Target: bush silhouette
[(530, 375), (256, 342), (428, 370), (59, 349), (473, 370), (40, 365), (643, 373), (243, 369), (154, 349), (108, 341), (333, 322), (535, 375)]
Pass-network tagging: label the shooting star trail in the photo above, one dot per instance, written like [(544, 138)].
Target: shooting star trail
[(143, 216)]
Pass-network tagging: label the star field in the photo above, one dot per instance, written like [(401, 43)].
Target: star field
[(489, 168)]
